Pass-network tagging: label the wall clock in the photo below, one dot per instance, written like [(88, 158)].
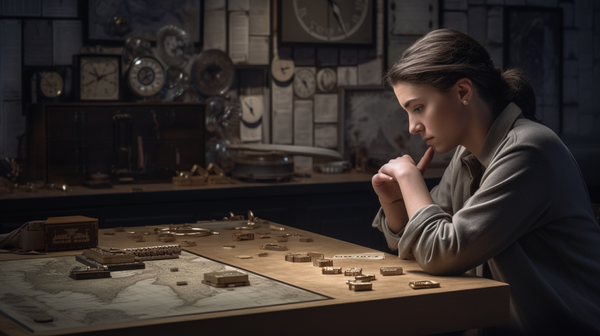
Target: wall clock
[(326, 80), (282, 70), (98, 77), (327, 21), (212, 72), (252, 117), (146, 76), (304, 82)]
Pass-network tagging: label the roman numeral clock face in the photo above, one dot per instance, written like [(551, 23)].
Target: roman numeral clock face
[(146, 76)]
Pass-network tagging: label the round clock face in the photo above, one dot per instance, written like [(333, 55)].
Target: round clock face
[(51, 84), (173, 45), (99, 78), (212, 72), (146, 76), (282, 70), (331, 20), (304, 83), (326, 80), (252, 111)]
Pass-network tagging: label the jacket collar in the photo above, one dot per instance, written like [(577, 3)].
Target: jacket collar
[(500, 128)]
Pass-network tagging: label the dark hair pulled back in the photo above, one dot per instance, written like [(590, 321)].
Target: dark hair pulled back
[(443, 56)]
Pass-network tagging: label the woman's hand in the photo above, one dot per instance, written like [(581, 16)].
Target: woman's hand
[(385, 182)]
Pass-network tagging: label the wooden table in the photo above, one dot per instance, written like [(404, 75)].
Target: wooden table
[(392, 307)]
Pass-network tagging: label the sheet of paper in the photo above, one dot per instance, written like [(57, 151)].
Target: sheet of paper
[(238, 5), (282, 104), (215, 29), (260, 12), (67, 40), (37, 42), (478, 23), (59, 8), (210, 5), (326, 135), (370, 73), (21, 8), (258, 50), (303, 122), (347, 76), (12, 126), (238, 37), (326, 108), (456, 20), (456, 4), (282, 127), (412, 17), (10, 31)]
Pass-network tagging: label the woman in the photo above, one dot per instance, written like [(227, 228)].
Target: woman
[(511, 203)]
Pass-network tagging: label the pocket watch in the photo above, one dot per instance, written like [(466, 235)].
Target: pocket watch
[(146, 76), (98, 77), (326, 80), (212, 72), (304, 82)]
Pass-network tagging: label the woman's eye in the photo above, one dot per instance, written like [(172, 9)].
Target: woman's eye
[(418, 109)]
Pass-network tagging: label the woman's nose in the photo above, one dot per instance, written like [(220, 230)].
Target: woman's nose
[(414, 126)]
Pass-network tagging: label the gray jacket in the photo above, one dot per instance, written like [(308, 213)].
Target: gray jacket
[(521, 212)]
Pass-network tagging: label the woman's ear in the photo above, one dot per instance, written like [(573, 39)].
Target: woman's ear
[(464, 88)]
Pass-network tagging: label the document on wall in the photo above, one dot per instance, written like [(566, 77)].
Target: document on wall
[(67, 40), (282, 103), (21, 8), (347, 75), (258, 50), (259, 17), (37, 42), (303, 132), (238, 5), (10, 38), (238, 37), (215, 25), (303, 122), (59, 8), (326, 135), (370, 73), (412, 17), (326, 108), (457, 21)]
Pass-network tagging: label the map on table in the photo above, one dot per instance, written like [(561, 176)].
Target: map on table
[(36, 289)]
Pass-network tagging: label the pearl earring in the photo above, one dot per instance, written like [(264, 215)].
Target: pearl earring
[(465, 102)]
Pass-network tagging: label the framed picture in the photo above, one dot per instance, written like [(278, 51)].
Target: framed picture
[(374, 125), (341, 22), (533, 43), (111, 22)]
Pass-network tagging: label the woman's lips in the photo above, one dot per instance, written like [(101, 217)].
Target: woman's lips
[(428, 140)]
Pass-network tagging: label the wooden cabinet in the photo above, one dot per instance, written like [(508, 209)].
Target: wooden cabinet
[(126, 141)]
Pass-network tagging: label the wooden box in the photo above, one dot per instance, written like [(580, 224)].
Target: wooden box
[(70, 233)]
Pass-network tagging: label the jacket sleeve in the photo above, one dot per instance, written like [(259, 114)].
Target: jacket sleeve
[(513, 195), (441, 195)]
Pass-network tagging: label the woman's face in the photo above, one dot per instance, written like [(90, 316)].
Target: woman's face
[(437, 116)]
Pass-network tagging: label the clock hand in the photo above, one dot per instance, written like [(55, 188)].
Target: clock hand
[(283, 69), (250, 107), (304, 82), (338, 15)]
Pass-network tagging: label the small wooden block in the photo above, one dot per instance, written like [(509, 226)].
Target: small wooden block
[(322, 262), (354, 271), (395, 270), (331, 270)]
